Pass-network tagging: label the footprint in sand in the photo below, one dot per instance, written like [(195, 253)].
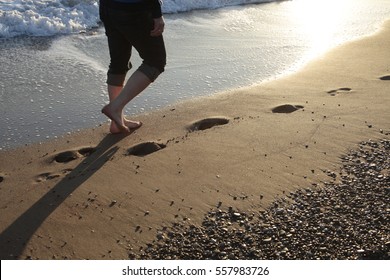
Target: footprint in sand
[(335, 92), (47, 176), (286, 109), (145, 149), (385, 78), (1, 178), (68, 156), (207, 123)]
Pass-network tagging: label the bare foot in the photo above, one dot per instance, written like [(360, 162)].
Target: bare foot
[(130, 125), (116, 118)]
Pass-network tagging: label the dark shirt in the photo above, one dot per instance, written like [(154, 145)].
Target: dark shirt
[(132, 5)]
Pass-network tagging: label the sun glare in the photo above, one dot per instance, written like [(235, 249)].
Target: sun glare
[(319, 21)]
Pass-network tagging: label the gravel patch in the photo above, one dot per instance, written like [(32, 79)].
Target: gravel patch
[(344, 220)]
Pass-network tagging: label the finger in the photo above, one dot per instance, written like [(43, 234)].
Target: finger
[(158, 28), (157, 31)]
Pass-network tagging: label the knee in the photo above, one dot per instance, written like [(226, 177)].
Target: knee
[(115, 79), (152, 72), (116, 74)]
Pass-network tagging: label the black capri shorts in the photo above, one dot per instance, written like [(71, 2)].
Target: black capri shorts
[(128, 29)]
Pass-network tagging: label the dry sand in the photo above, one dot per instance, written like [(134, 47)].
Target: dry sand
[(239, 149)]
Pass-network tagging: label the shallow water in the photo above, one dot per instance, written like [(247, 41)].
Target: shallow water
[(51, 86)]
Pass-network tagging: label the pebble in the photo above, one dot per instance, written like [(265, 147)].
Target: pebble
[(236, 215)]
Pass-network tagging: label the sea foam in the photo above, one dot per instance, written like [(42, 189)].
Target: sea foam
[(52, 17)]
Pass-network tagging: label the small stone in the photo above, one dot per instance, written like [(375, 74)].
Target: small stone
[(236, 215), (160, 236), (279, 211)]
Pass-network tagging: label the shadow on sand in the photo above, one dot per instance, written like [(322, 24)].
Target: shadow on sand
[(15, 237)]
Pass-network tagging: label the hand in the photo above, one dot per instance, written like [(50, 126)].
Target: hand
[(158, 27)]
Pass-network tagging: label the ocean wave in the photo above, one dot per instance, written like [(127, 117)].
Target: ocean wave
[(177, 6), (52, 17)]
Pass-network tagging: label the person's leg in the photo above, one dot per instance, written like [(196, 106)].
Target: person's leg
[(120, 53), (137, 82), (113, 93), (152, 51)]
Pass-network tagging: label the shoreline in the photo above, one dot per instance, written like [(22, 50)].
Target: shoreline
[(96, 196), (50, 98)]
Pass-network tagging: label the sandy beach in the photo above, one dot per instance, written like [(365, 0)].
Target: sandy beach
[(92, 195)]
